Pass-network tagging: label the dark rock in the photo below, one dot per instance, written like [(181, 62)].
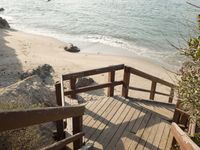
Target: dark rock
[(4, 24), (2, 9), (84, 82), (44, 72), (71, 48)]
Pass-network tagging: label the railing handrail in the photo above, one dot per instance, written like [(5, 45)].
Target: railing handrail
[(127, 74), (23, 118), (92, 72), (182, 139), (150, 77)]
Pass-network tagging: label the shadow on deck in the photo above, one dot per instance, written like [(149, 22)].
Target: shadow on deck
[(119, 123)]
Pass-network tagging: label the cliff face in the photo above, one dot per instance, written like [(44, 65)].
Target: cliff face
[(28, 91), (31, 92)]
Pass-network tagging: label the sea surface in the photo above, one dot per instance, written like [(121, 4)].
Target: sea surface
[(133, 28)]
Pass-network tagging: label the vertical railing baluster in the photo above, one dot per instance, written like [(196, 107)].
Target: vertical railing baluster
[(77, 127), (171, 97), (153, 89), (73, 87), (59, 124), (126, 80), (111, 79)]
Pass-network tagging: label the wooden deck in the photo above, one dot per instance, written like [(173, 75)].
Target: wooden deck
[(117, 123)]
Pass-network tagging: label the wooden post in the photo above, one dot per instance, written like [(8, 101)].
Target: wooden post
[(153, 89), (111, 78), (171, 95), (73, 87), (77, 127), (60, 123), (126, 82), (176, 116)]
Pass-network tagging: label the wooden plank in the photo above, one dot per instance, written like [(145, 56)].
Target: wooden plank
[(77, 127), (36, 116), (182, 139), (144, 90), (136, 137), (149, 141), (98, 115), (158, 136), (126, 82), (73, 88), (90, 106), (102, 124), (131, 134), (165, 136), (150, 77), (169, 141), (138, 89), (94, 110), (111, 79), (93, 72), (153, 89), (146, 133), (122, 127), (103, 138), (125, 142), (115, 127), (93, 87), (64, 142)]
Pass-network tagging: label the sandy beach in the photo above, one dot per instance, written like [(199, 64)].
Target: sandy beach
[(21, 51)]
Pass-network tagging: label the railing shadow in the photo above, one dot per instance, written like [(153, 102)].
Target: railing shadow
[(110, 126)]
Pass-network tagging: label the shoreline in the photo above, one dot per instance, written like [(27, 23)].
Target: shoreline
[(86, 46), (22, 52)]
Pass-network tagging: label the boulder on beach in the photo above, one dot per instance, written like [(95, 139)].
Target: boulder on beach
[(71, 48), (2, 9), (4, 24), (84, 82)]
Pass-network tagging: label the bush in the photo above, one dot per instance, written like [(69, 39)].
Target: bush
[(189, 89)]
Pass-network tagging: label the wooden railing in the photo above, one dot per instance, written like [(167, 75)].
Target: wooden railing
[(181, 118), (112, 83), (181, 139), (23, 118), (154, 80)]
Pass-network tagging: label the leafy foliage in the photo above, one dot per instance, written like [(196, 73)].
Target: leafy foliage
[(193, 49), (189, 84), (189, 89)]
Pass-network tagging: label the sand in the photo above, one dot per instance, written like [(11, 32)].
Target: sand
[(21, 51)]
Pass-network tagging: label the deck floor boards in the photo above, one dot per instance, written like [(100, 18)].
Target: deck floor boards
[(117, 123)]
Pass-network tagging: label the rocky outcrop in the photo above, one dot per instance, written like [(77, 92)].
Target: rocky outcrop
[(71, 48), (27, 94), (44, 72), (4, 24), (31, 91), (2, 9), (84, 82)]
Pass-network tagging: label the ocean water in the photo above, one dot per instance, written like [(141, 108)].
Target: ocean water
[(141, 28)]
